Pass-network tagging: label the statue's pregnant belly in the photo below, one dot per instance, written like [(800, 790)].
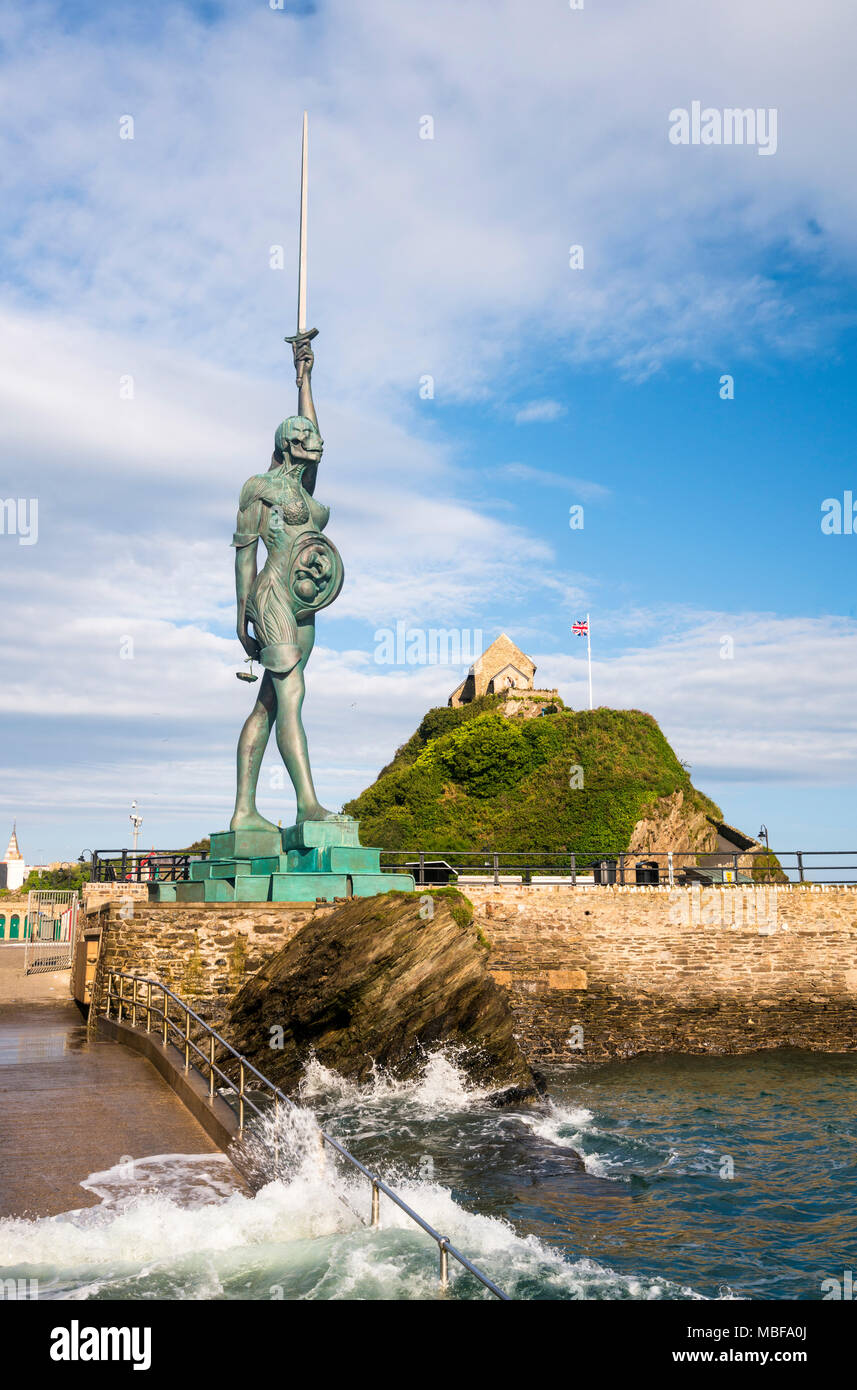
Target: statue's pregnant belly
[(307, 577)]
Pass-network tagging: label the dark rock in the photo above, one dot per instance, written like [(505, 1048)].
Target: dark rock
[(375, 982)]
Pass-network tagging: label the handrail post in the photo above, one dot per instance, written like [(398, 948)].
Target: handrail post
[(422, 868), (148, 1006), (211, 1068), (574, 870), (735, 864), (622, 868), (376, 1204), (109, 992), (496, 870), (166, 999), (134, 1002), (800, 865), (444, 1263), (121, 997), (241, 1096), (187, 1038)]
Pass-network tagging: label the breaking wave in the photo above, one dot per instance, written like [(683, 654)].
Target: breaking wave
[(187, 1226)]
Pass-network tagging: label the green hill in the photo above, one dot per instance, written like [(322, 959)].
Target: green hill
[(471, 778)]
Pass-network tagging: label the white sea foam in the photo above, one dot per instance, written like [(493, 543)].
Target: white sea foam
[(441, 1085), (572, 1127), (183, 1226)]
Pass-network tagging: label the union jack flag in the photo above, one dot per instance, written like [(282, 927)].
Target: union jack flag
[(580, 629)]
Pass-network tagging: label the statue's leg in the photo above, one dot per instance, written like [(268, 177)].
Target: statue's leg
[(291, 738), (251, 750)]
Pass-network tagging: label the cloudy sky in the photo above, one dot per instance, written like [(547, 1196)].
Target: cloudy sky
[(142, 374)]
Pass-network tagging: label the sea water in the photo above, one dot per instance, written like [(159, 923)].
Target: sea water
[(712, 1178)]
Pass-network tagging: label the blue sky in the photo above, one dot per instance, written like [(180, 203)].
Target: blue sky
[(150, 258)]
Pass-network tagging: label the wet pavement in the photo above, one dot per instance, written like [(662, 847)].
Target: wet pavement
[(71, 1105)]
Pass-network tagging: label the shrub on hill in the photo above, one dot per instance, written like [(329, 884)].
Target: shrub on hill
[(470, 778)]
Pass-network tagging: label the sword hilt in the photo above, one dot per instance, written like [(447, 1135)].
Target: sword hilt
[(305, 337)]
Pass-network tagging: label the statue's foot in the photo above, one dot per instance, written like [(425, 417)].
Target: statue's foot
[(315, 811), (251, 820)]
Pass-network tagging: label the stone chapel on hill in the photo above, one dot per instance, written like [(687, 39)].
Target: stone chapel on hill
[(502, 668)]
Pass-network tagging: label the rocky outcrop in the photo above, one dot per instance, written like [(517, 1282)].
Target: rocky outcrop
[(382, 980), (674, 822)]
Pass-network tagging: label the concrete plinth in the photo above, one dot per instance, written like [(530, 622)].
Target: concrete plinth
[(245, 844), (318, 860)]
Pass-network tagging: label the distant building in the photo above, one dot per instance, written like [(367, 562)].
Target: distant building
[(13, 870), (501, 668)]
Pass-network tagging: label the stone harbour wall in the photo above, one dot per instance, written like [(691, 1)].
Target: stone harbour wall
[(204, 952), (612, 972), (591, 972)]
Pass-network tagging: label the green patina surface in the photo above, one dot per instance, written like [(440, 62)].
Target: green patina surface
[(245, 844), (162, 892), (316, 834), (317, 859)]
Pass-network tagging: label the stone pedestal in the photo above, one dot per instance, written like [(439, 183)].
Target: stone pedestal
[(303, 863)]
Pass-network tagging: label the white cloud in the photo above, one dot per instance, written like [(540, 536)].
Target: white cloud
[(550, 128), (780, 708), (544, 477), (448, 257), (539, 412)]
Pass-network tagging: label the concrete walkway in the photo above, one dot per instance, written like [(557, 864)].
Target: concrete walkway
[(70, 1105), (16, 987)]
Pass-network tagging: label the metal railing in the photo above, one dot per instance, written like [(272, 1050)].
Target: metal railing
[(52, 917), (572, 867), (638, 869), (237, 1084), (141, 866)]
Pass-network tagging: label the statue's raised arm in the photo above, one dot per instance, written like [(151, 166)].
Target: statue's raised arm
[(304, 361)]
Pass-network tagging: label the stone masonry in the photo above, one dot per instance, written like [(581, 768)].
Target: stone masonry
[(591, 972), (612, 972), (204, 952)]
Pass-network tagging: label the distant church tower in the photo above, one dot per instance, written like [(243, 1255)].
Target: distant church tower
[(12, 868)]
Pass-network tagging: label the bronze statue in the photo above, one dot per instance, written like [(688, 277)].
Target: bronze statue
[(320, 857), (302, 573)]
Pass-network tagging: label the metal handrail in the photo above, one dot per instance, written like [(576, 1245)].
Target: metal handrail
[(141, 866), (182, 1028), (173, 866), (761, 865)]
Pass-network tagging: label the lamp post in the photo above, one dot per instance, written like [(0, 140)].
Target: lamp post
[(136, 821), (763, 833)]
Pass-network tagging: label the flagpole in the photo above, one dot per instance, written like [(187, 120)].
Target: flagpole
[(589, 658)]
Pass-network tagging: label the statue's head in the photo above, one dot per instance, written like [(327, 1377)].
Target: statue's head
[(298, 441)]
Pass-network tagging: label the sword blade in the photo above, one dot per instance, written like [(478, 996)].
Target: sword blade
[(302, 251)]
